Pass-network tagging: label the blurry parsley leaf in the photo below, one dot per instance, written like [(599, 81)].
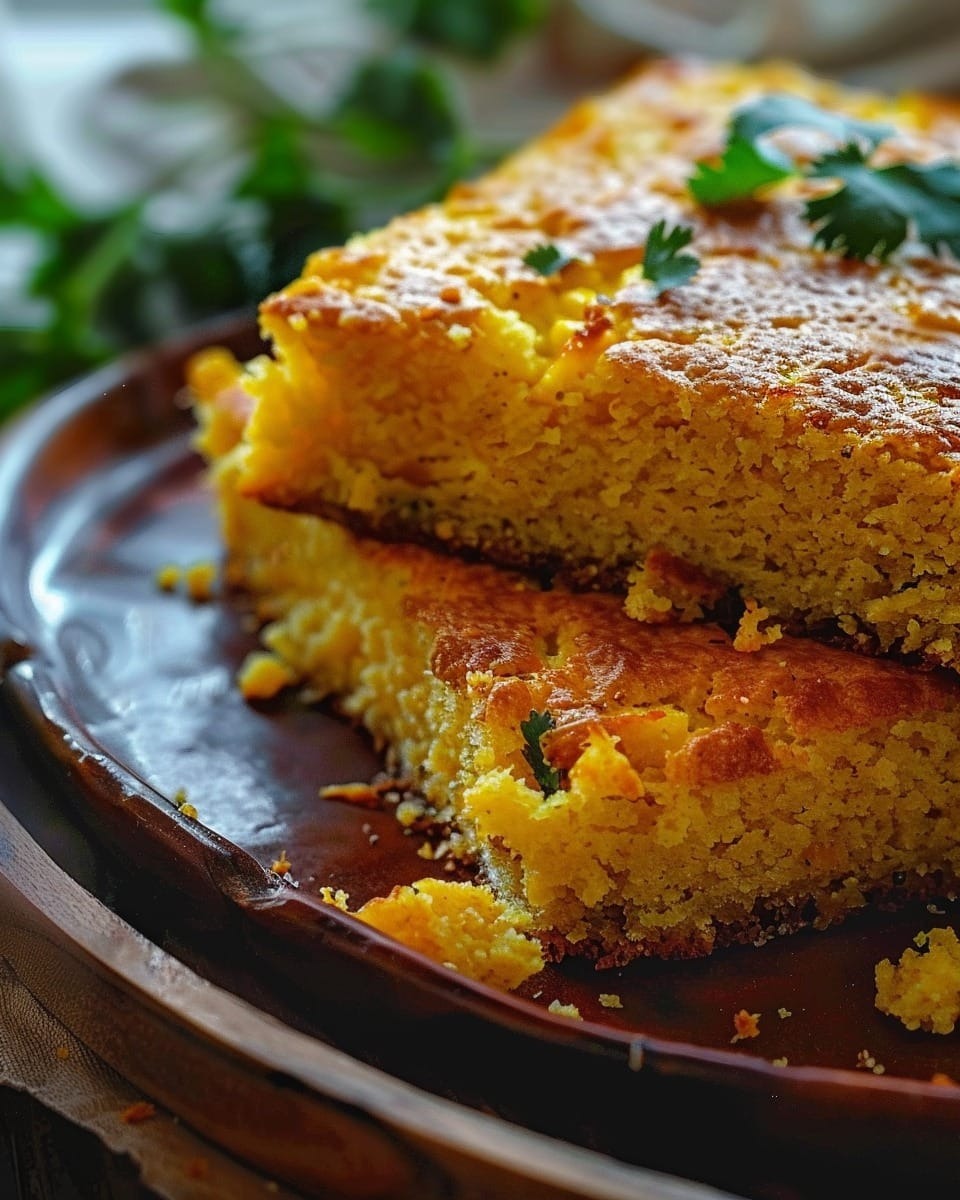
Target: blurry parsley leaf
[(548, 259), (533, 730), (398, 105), (663, 265), (745, 166), (474, 28), (873, 211), (97, 282)]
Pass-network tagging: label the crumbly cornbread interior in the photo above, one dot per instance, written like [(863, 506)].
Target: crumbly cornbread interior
[(923, 989), (708, 795), (787, 422)]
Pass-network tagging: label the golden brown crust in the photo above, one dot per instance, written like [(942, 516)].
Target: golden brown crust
[(584, 659), (866, 347)]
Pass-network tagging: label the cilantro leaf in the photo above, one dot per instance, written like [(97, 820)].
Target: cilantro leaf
[(662, 264), (533, 730), (778, 110), (478, 29), (548, 259), (873, 211), (739, 173), (745, 166)]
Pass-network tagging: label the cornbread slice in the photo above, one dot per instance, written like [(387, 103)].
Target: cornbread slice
[(787, 422), (707, 795)]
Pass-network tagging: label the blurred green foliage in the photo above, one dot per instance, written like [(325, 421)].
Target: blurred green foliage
[(100, 282)]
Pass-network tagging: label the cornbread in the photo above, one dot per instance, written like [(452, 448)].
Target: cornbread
[(787, 423), (707, 795), (923, 989), (461, 925)]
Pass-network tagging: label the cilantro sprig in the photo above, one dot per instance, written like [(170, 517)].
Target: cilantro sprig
[(663, 264), (749, 163), (548, 259), (533, 730), (875, 208), (872, 211)]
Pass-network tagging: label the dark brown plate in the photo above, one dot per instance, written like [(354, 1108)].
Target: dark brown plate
[(121, 695)]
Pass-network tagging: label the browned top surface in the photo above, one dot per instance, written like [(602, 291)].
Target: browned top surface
[(581, 655), (873, 347)]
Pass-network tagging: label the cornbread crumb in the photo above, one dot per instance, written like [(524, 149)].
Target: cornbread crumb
[(339, 898), (281, 865), (137, 1113), (425, 851), (461, 925), (867, 1062), (410, 811), (168, 577), (610, 1000), (923, 989), (63, 1053), (564, 1010), (183, 805), (263, 675), (746, 1025), (750, 637), (778, 1062), (783, 1013), (200, 578)]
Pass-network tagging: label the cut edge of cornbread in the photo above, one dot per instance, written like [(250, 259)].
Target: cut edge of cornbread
[(708, 797)]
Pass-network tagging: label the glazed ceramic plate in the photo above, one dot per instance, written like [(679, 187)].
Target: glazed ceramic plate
[(123, 695)]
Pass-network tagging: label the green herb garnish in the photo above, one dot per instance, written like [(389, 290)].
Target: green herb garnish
[(874, 209), (533, 730), (547, 259), (746, 165), (663, 265), (236, 218)]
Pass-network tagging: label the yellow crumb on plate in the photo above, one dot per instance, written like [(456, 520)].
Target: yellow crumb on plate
[(564, 1010), (168, 577), (200, 578), (336, 898), (464, 926), (923, 989), (610, 1000), (281, 865), (867, 1062), (263, 675)]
